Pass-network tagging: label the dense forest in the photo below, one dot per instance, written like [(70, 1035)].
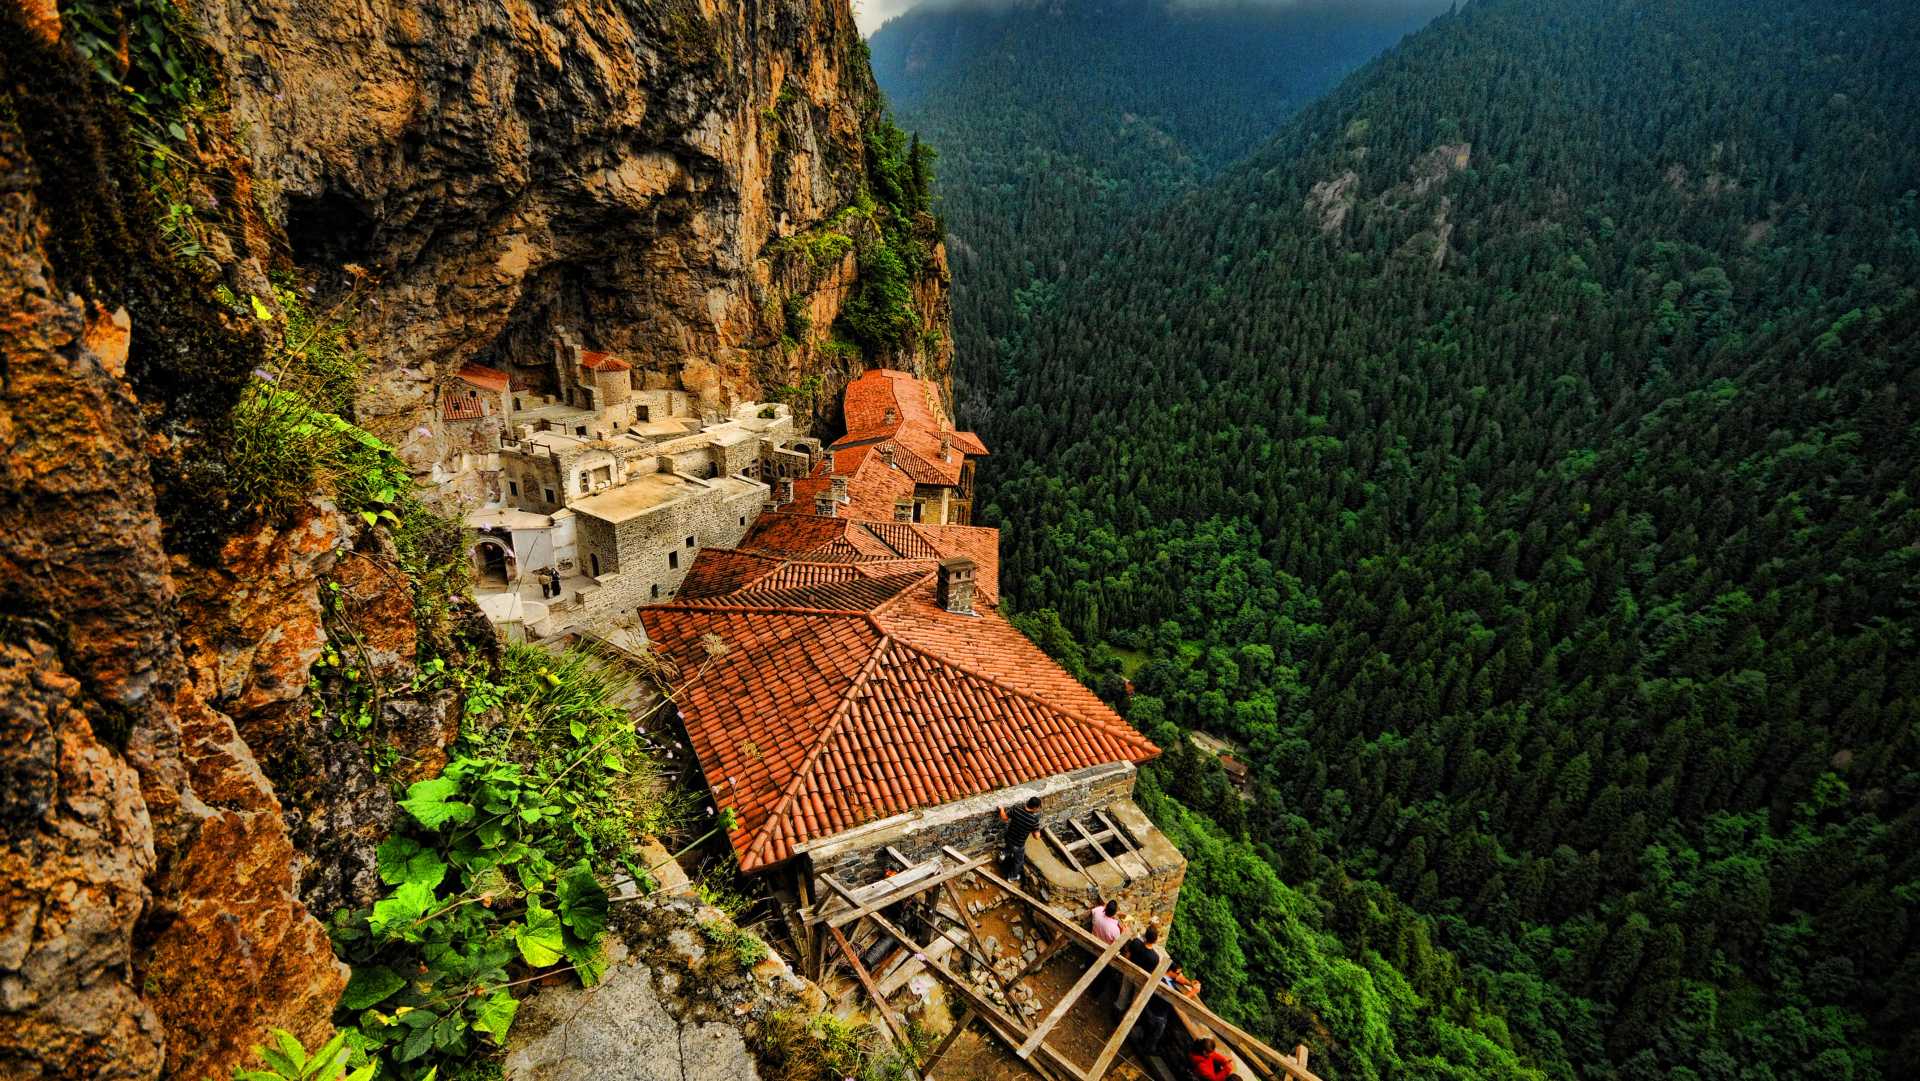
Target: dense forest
[(1516, 455), (1054, 121)]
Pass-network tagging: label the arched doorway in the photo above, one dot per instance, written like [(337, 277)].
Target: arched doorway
[(492, 563)]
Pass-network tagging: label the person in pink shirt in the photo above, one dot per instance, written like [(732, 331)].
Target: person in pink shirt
[(1105, 920)]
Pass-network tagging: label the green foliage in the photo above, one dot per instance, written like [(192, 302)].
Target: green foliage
[(167, 88), (499, 873), (801, 1046), (1559, 588), (287, 1060)]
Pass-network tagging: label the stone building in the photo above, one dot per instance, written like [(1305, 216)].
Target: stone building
[(901, 458), (612, 485), (871, 705)]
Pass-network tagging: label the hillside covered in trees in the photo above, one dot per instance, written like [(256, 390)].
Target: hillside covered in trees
[(1517, 455), (1055, 120)]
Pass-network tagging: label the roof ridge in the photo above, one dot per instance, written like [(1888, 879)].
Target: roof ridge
[(897, 598), (798, 781), (782, 609), (1129, 730)]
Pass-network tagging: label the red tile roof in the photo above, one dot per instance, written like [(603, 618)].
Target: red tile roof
[(602, 362), (815, 539), (457, 406), (915, 429), (483, 377), (817, 719)]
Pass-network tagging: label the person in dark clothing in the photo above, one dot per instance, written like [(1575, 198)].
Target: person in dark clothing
[(1143, 951), (553, 579), (1021, 824)]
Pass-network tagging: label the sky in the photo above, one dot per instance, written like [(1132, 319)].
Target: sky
[(871, 13)]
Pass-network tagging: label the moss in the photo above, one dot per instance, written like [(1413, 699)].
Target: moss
[(189, 361)]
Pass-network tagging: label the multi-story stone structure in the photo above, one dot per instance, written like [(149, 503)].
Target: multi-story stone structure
[(901, 459), (613, 486)]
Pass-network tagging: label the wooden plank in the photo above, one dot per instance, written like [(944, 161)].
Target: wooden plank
[(1010, 1031), (886, 1012), (1125, 841), (973, 929), (1097, 847), (1054, 838), (946, 1042), (859, 909), (1102, 835), (1186, 1004), (1127, 1020), (1067, 1000)]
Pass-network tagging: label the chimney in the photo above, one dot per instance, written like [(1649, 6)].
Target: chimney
[(829, 461), (886, 454), (903, 509), (825, 505), (783, 491), (893, 415), (838, 488), (955, 591), (946, 447)]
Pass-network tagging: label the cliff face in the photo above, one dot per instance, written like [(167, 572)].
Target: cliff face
[(627, 169), (177, 816)]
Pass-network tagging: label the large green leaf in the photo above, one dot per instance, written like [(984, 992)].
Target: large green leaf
[(394, 915), (402, 859), (370, 985), (583, 903), (431, 803), (495, 1016), (541, 938)]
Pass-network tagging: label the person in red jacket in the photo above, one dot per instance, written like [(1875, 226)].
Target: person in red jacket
[(1209, 1064)]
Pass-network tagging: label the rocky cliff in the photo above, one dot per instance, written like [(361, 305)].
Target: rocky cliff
[(628, 169), (684, 182)]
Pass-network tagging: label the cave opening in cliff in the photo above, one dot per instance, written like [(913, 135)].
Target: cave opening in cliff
[(328, 229)]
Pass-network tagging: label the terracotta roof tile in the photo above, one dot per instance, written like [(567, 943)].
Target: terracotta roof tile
[(602, 362), (817, 720), (483, 377)]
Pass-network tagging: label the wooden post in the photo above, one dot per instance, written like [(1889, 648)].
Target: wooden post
[(1184, 1003), (973, 930), (1067, 1000), (1071, 858), (886, 1012), (1127, 1020)]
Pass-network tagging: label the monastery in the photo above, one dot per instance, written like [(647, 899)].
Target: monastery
[(851, 693)]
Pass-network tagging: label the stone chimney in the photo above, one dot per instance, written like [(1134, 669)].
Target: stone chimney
[(838, 487), (830, 461), (886, 454), (903, 509), (893, 416), (946, 447), (825, 505), (783, 490), (955, 591)]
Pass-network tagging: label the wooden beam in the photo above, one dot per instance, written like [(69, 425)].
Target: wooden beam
[(1097, 847), (1125, 841), (1127, 1020), (1010, 1031), (1067, 1000), (859, 909), (1100, 835), (1186, 1004), (973, 930), (946, 1041), (1071, 858), (886, 1012)]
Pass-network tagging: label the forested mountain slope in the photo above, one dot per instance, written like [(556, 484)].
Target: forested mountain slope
[(1054, 121), (1518, 454)]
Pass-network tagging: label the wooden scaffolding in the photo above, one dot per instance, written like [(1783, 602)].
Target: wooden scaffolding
[(834, 921)]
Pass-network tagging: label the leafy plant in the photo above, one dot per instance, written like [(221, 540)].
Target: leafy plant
[(287, 1060)]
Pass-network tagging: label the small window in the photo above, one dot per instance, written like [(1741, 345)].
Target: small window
[(473, 394), (549, 494), (513, 488), (673, 560), (689, 542), (743, 519), (656, 592), (593, 560), (516, 404), (580, 429)]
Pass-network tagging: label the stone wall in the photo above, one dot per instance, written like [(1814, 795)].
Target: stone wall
[(971, 825), (644, 559)]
